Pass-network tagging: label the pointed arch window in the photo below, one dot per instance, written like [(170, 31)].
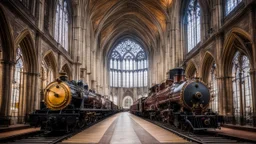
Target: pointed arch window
[(61, 23), (230, 5), (213, 88), (193, 25), (131, 65), (242, 94), (16, 86)]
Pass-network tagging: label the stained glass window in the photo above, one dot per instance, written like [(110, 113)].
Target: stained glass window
[(16, 85), (193, 24), (61, 23), (130, 61), (213, 88), (231, 5), (242, 95)]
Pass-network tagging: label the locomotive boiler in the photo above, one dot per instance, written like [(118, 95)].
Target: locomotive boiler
[(183, 103), (70, 105)]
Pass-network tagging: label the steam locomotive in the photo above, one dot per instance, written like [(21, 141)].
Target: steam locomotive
[(70, 105), (182, 103)]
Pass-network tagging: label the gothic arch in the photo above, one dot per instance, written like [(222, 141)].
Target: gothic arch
[(29, 96), (191, 69), (237, 40), (66, 68), (125, 100), (208, 60), (50, 61), (26, 44)]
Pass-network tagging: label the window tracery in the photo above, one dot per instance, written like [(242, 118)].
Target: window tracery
[(213, 88), (61, 23), (128, 65), (242, 96), (193, 24), (16, 84)]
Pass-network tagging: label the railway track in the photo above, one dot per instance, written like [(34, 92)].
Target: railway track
[(39, 137), (203, 137)]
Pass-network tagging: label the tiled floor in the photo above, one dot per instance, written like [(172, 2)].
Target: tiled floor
[(125, 128)]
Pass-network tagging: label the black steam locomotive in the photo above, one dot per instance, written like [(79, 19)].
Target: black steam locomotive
[(70, 105), (182, 103)]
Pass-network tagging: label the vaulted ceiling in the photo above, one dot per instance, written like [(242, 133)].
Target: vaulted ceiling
[(143, 20)]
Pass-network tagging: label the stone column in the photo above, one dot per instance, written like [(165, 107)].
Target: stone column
[(253, 85), (6, 77), (31, 92), (252, 30)]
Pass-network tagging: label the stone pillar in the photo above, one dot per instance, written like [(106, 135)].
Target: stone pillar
[(221, 94), (252, 30), (6, 77), (21, 99), (31, 92), (253, 85)]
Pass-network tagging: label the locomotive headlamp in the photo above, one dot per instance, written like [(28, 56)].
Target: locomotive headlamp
[(198, 95)]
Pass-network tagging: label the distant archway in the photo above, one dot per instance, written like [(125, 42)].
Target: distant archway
[(127, 102)]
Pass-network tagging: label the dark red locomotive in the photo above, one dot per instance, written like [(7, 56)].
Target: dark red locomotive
[(183, 103)]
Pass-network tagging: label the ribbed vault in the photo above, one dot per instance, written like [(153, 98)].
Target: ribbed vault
[(143, 20)]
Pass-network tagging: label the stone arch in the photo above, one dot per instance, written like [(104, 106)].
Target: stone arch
[(208, 60), (29, 95), (50, 61), (7, 61), (237, 40), (124, 103), (26, 44), (191, 70), (66, 68)]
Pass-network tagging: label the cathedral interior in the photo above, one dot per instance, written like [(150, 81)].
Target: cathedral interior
[(121, 48)]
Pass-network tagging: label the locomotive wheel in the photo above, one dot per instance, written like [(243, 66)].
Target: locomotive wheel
[(186, 127), (81, 123)]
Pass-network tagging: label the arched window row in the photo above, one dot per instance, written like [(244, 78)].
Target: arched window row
[(193, 20), (61, 23), (241, 83), (128, 65)]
